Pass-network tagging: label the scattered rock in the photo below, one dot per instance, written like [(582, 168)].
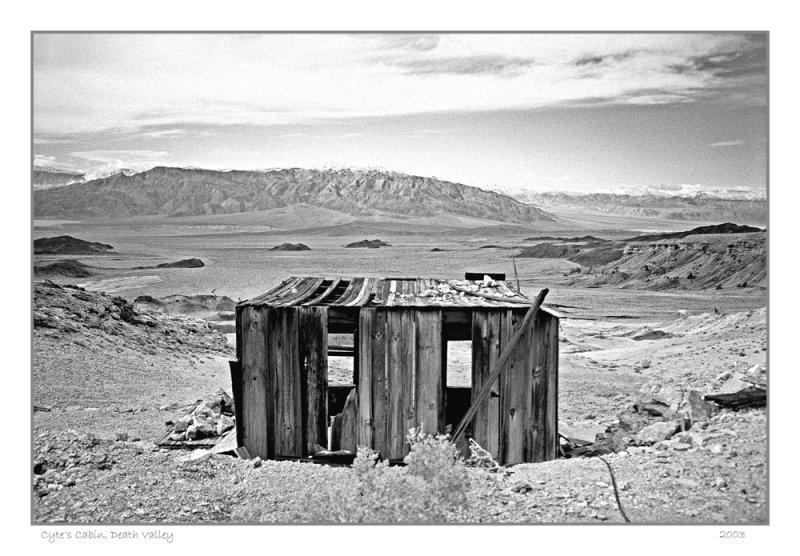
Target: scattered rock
[(733, 384), (522, 488), (183, 423), (699, 408), (224, 424), (658, 432), (196, 456), (652, 335)]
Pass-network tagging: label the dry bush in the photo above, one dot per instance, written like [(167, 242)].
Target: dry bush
[(432, 488)]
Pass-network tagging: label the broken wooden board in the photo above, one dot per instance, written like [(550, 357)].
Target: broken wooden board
[(227, 443), (580, 436), (242, 453), (749, 397), (208, 442)]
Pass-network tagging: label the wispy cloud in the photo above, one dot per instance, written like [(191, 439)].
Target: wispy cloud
[(163, 133), (302, 135), (418, 42), (156, 83), (468, 65), (726, 144)]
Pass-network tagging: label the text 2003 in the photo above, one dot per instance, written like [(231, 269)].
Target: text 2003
[(731, 534)]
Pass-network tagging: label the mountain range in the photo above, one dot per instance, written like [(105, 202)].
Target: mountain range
[(190, 192), (698, 207), (44, 178)]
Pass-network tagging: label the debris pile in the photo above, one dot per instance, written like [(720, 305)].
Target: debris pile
[(478, 457), (445, 292), (740, 390), (664, 417), (211, 417)]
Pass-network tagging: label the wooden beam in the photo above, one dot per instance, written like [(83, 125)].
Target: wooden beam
[(429, 388), (236, 389), (379, 397), (399, 379), (515, 398), (364, 380), (314, 364), (499, 365), (288, 387), (256, 422)]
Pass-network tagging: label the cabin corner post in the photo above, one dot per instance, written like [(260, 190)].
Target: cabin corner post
[(543, 428), (252, 333), (515, 401), (552, 388)]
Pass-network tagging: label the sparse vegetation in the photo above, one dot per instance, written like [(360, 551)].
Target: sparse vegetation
[(432, 488)]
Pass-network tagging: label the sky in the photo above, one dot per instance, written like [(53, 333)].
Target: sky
[(518, 112)]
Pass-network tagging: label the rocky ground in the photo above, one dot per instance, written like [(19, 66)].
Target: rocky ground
[(109, 375)]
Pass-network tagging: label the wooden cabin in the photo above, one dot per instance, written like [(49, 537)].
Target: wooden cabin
[(400, 329)]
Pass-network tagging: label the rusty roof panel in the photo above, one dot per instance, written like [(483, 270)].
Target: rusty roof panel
[(391, 292)]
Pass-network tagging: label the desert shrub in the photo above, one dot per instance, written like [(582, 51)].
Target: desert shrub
[(431, 488), (437, 461)]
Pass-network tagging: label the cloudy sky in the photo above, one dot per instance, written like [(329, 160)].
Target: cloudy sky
[(589, 112)]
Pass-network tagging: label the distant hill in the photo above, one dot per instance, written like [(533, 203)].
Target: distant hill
[(695, 208), (727, 228), (368, 244), (719, 256), (190, 192), (291, 247), (69, 268), (68, 245)]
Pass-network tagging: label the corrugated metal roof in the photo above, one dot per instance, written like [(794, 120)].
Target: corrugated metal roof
[(390, 292)]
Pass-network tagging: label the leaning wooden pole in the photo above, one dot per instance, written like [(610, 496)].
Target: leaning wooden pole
[(498, 366)]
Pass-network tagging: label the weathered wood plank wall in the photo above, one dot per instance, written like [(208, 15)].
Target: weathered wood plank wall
[(490, 333), (314, 379), (255, 423), (515, 398), (400, 384), (518, 422), (401, 359), (428, 372)]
